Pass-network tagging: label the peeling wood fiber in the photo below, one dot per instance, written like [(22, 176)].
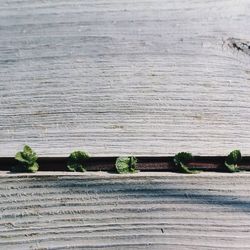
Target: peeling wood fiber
[(142, 211), (124, 77)]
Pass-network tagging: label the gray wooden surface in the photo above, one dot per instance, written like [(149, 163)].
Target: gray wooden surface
[(147, 77), (143, 211)]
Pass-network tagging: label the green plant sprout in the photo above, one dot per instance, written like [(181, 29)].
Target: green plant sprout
[(181, 160), (76, 161), (232, 160), (27, 161), (125, 165)]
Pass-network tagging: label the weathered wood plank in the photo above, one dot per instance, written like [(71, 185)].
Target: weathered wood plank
[(142, 211), (116, 77)]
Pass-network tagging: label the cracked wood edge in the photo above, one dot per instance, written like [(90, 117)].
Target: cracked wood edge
[(123, 77)]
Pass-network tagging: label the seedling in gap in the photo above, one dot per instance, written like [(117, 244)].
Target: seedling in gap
[(181, 160), (232, 160), (77, 160), (126, 165), (27, 161)]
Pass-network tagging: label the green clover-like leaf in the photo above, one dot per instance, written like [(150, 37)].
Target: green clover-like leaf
[(76, 161), (33, 168), (181, 160), (232, 160), (125, 165), (27, 150), (27, 161)]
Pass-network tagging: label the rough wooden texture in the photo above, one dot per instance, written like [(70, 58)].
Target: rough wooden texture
[(115, 77), (143, 211)]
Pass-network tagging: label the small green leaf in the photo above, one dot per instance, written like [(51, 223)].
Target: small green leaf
[(78, 156), (125, 165), (27, 161), (122, 165), (19, 157), (33, 168), (76, 161), (132, 164), (181, 160), (27, 156), (27, 150), (72, 167), (232, 160), (76, 167)]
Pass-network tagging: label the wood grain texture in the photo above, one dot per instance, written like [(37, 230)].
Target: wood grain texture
[(144, 77), (142, 211)]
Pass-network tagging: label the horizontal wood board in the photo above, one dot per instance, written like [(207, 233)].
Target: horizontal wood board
[(142, 211), (144, 77)]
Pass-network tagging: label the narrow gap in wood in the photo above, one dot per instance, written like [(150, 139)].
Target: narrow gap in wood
[(204, 163)]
